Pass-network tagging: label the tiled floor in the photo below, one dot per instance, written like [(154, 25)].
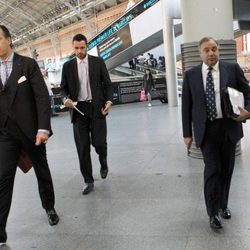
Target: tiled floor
[(151, 200)]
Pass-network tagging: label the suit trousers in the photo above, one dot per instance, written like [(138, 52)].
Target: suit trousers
[(89, 129), (219, 157), (12, 140)]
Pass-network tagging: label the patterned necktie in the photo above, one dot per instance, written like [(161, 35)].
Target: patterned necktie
[(4, 72), (210, 96)]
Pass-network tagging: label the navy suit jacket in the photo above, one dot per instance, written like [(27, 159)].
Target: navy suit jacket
[(194, 104), (100, 84)]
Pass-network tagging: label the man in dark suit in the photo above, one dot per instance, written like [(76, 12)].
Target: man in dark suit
[(24, 125), (202, 108), (85, 81)]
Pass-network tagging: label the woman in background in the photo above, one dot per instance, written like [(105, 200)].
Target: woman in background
[(148, 85)]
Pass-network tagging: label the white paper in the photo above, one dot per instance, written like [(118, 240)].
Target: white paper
[(237, 99), (74, 107), (78, 110)]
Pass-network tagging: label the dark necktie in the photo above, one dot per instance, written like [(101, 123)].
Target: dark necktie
[(210, 96)]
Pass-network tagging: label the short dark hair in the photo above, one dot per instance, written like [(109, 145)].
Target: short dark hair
[(6, 33), (79, 38), (207, 39)]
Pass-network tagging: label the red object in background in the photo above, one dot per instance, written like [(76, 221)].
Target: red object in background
[(143, 96)]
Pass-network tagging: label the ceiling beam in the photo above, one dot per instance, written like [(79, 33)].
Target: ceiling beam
[(90, 26), (48, 26), (25, 15)]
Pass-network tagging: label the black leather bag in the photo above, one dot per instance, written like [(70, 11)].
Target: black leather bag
[(24, 162)]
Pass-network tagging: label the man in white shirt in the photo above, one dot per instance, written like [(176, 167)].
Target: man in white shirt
[(216, 135), (85, 81)]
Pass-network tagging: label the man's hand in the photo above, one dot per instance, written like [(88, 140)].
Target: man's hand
[(68, 103), (106, 109), (244, 115), (41, 138), (188, 141)]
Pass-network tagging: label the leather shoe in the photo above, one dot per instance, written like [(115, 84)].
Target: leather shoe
[(3, 236), (88, 188), (104, 167), (225, 213), (104, 172), (215, 222), (53, 218)]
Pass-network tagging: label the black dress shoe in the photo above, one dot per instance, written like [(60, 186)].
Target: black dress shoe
[(3, 236), (215, 222), (225, 213), (104, 166), (88, 188), (53, 218), (104, 172)]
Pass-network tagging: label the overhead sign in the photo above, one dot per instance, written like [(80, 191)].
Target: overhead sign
[(115, 43), (121, 22)]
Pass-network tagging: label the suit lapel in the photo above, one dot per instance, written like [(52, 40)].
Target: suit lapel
[(16, 73), (90, 61), (199, 81), (76, 78), (223, 75)]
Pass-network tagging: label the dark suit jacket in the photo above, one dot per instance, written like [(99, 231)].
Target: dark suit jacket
[(100, 84), (194, 105), (29, 100)]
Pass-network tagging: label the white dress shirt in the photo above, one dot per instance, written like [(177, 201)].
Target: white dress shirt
[(6, 68), (83, 76), (216, 77)]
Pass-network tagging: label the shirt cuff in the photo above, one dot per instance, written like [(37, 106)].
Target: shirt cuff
[(64, 100), (45, 131), (109, 102)]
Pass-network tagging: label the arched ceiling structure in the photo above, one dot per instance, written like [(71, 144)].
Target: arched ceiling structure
[(30, 19)]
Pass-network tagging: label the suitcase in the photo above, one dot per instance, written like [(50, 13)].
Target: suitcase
[(163, 96)]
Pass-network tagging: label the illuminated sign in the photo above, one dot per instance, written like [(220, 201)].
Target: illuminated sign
[(121, 22), (115, 43), (149, 3), (111, 30)]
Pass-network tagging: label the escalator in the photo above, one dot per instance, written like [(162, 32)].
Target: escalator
[(129, 35)]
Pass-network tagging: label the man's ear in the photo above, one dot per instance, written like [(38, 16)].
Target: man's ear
[(9, 41)]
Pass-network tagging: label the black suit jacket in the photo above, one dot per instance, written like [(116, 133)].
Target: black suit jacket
[(100, 84), (29, 100), (194, 104)]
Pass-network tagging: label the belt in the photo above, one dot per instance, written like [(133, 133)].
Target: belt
[(87, 101), (215, 120)]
